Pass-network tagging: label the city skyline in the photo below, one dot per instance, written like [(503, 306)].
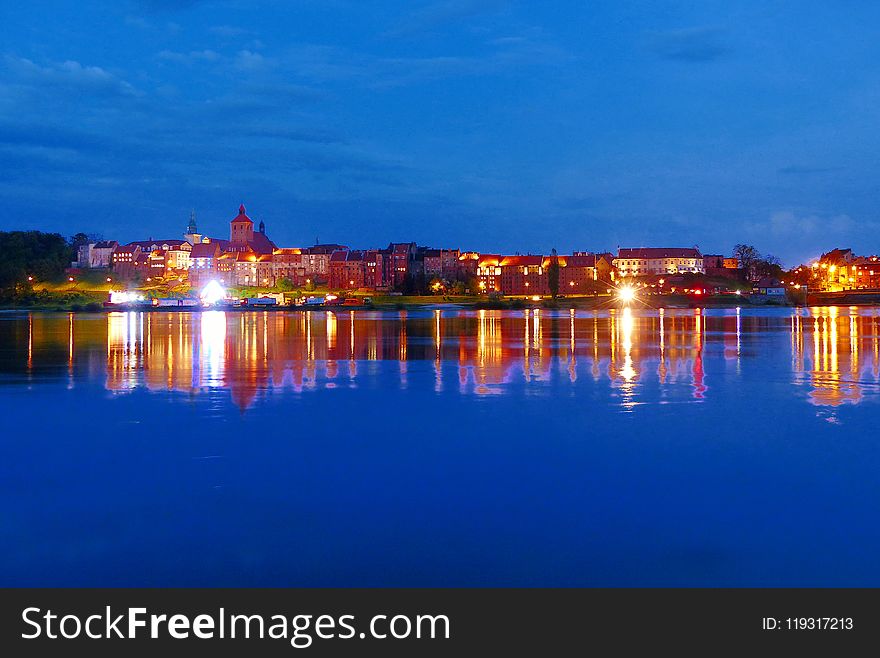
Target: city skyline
[(492, 124)]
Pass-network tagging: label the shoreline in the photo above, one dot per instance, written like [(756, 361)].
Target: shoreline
[(602, 304), (91, 302)]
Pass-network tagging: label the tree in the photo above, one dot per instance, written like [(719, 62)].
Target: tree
[(284, 285), (553, 274), (748, 258), (769, 266), (78, 240), (32, 253), (437, 285)]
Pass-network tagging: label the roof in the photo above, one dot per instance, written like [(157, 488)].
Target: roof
[(437, 253), (521, 261), (105, 244), (205, 250), (769, 282), (356, 255), (261, 244), (220, 242), (324, 249), (836, 256), (242, 216), (126, 248), (148, 244), (581, 260), (659, 252)]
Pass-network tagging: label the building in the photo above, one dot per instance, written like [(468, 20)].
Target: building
[(401, 258), (718, 265), (647, 261), (174, 255), (203, 263), (523, 275), (441, 264), (866, 272), (96, 255), (603, 263), (578, 273), (489, 273), (354, 269), (242, 236), (770, 287), (124, 261), (316, 261), (252, 269)]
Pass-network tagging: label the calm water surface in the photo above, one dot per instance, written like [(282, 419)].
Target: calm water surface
[(450, 447)]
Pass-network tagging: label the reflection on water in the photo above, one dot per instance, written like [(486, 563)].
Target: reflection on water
[(642, 356)]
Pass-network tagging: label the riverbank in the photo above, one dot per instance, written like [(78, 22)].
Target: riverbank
[(92, 302)]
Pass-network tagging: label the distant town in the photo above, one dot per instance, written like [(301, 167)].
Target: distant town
[(249, 260)]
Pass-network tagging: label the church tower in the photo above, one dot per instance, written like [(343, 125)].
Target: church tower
[(241, 229), (192, 234)]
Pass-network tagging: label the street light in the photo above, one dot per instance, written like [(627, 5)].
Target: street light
[(626, 294)]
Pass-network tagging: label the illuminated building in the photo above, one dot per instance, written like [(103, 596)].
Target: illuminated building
[(652, 260)]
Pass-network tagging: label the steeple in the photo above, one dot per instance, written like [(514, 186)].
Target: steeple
[(192, 234), (241, 228), (262, 227)]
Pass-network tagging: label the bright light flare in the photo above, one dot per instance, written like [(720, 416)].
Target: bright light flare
[(626, 294), (212, 293), (120, 297)]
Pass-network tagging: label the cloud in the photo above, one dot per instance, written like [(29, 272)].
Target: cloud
[(696, 44), (190, 57), (797, 235), (797, 170), (442, 13), (292, 135), (327, 64), (137, 21), (229, 31), (69, 75), (43, 136), (277, 92), (247, 60), (167, 5)]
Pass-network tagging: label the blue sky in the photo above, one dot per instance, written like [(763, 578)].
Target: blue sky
[(480, 124)]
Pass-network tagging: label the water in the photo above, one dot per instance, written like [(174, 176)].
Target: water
[(440, 448)]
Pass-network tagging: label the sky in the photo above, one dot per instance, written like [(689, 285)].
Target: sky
[(489, 125)]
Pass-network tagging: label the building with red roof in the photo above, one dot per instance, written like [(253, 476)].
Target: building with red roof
[(646, 261)]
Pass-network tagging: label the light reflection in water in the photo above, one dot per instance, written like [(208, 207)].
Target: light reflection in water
[(834, 353)]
